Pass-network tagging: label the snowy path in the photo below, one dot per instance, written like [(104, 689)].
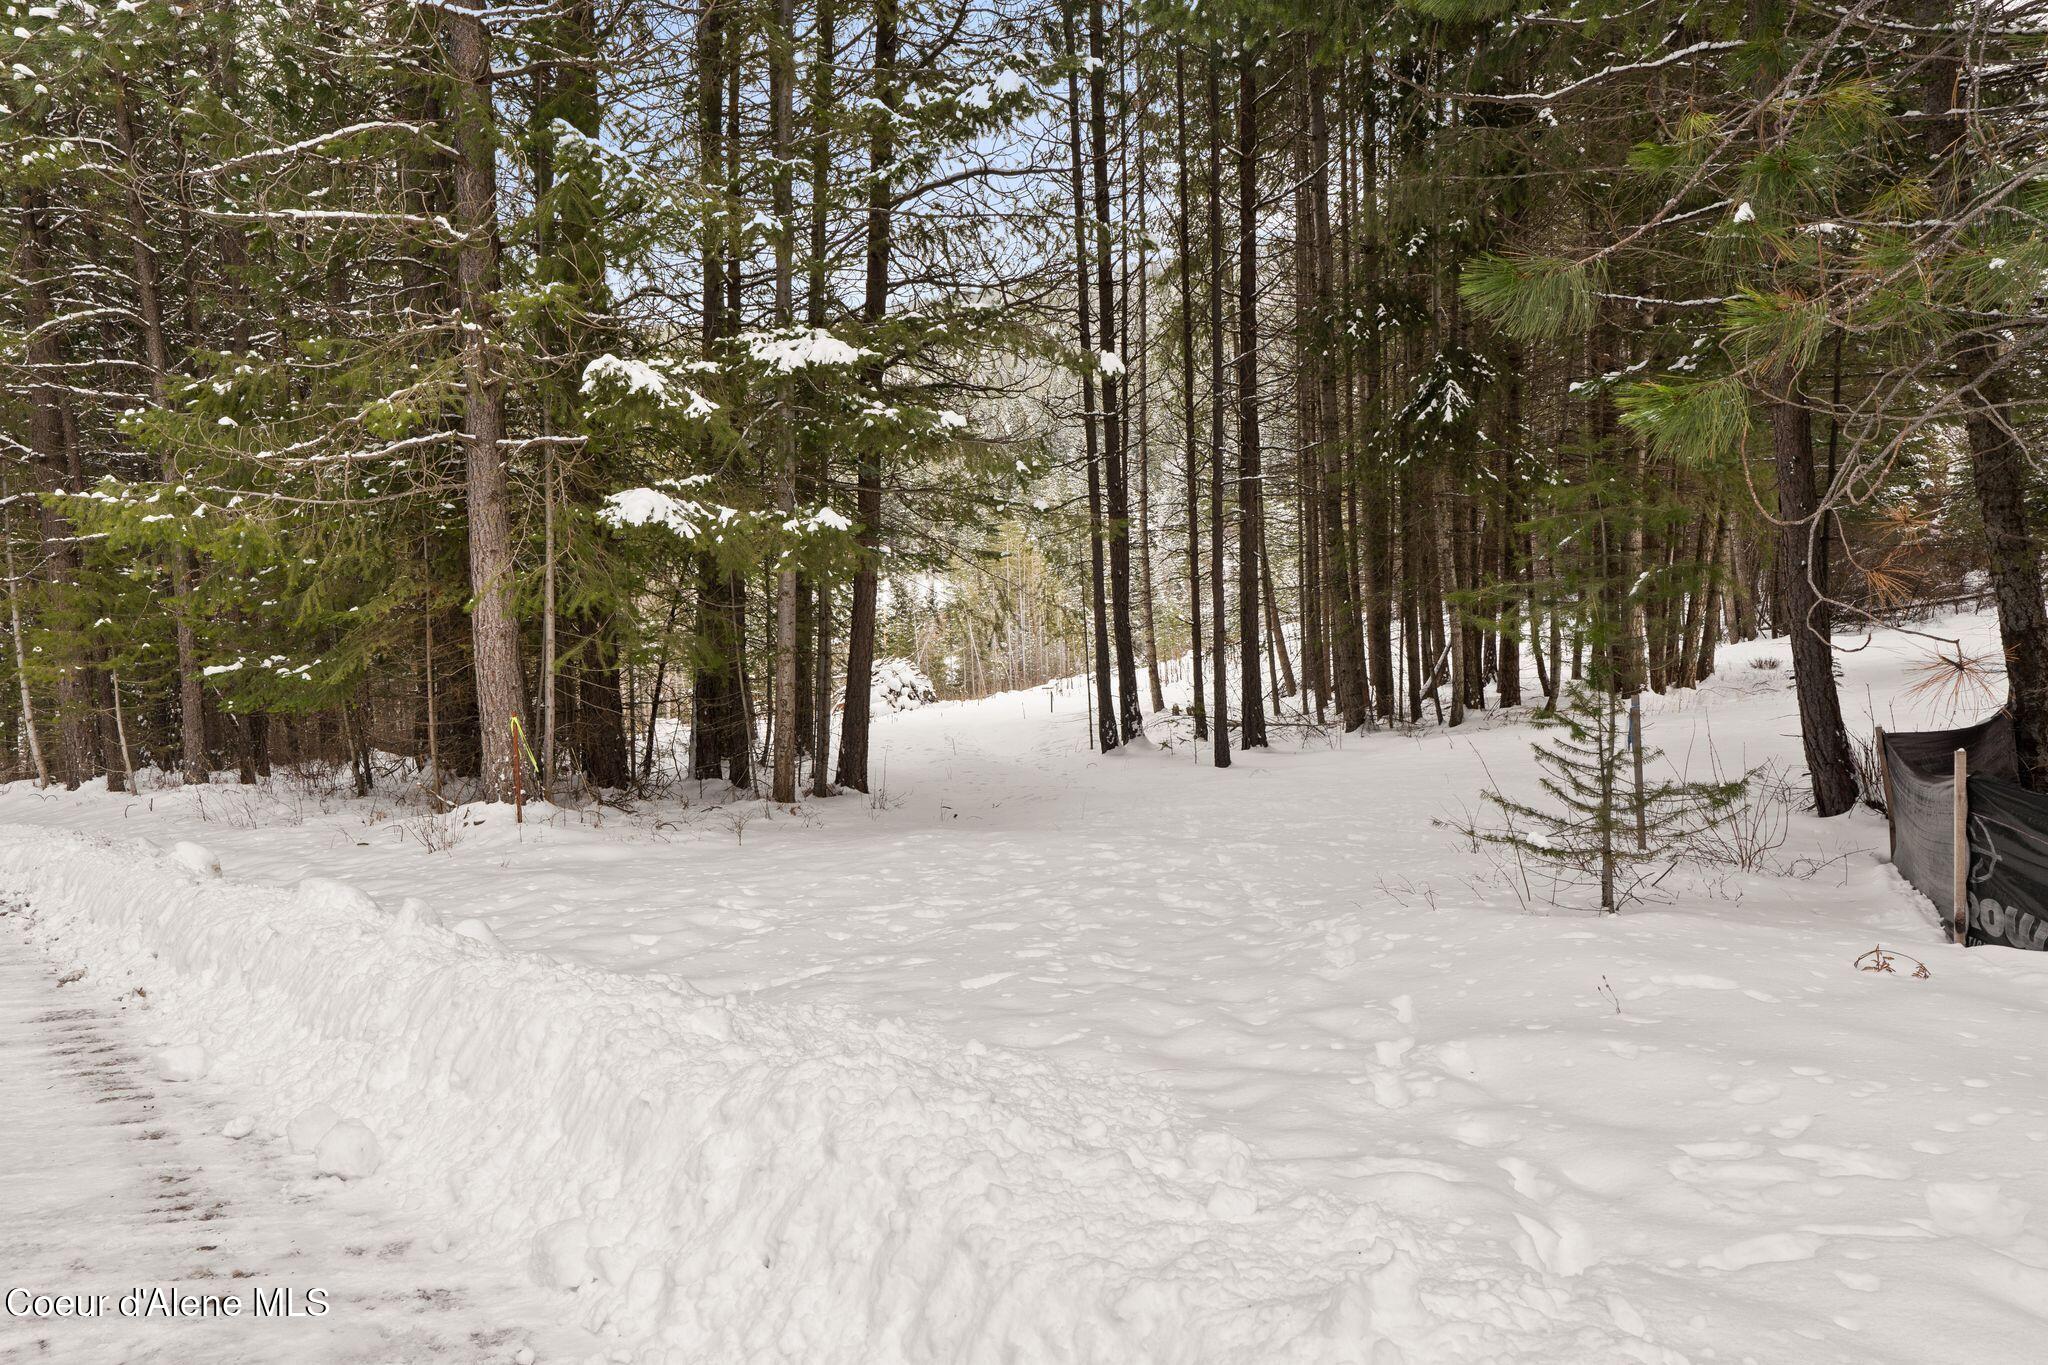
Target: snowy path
[(113, 1179), (1049, 1057)]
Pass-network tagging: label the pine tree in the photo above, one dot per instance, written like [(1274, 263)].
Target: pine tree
[(1598, 827)]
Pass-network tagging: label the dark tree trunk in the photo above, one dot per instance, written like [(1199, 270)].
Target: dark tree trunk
[(1109, 732), (1182, 155), (1998, 470), (571, 262), (860, 629), (815, 629), (1116, 476), (1276, 640), (500, 685), (1146, 602), (156, 354), (1514, 570), (1379, 511), (1806, 614), (1250, 490), (1998, 461), (598, 736), (1338, 588), (1219, 720), (721, 739), (49, 433), (781, 98), (720, 736)]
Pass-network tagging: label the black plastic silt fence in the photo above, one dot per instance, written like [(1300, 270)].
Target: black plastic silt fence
[(1966, 834)]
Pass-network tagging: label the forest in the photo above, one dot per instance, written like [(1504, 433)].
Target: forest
[(1060, 682), (506, 391)]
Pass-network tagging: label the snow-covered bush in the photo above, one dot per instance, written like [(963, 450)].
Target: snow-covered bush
[(900, 686)]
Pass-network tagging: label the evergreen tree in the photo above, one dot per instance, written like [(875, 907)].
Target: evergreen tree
[(1599, 826)]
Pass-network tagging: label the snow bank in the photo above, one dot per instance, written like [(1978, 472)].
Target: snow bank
[(762, 1181)]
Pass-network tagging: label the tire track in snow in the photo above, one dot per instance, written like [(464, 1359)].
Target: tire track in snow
[(113, 1179)]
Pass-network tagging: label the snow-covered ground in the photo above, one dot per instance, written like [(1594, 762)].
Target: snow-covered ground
[(129, 1184), (1044, 1056)]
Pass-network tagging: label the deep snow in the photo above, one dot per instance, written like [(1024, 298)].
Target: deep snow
[(1044, 1056), (125, 1175)]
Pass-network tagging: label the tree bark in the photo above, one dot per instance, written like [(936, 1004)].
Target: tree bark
[(1806, 613), (1145, 595), (49, 427), (1115, 465), (818, 708), (1339, 583), (860, 649), (721, 739), (192, 762), (1998, 471), (782, 82), (1109, 732), (1998, 460), (1250, 489), (1185, 266), (1219, 719), (500, 687), (28, 706)]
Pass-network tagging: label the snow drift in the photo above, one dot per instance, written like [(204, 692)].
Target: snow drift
[(711, 1179)]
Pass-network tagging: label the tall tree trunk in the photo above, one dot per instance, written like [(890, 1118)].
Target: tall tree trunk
[(720, 737), (591, 717), (500, 686), (1145, 598), (549, 660), (1185, 266), (782, 83), (1385, 483), (820, 591), (28, 706), (1742, 585), (1410, 547), (1312, 359), (1287, 685), (1999, 473), (1115, 465), (1998, 460), (192, 763), (1702, 665), (49, 428), (860, 648), (1514, 569), (1634, 632), (1250, 490), (1806, 614), (1338, 587), (1443, 517), (1108, 731), (1219, 719)]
